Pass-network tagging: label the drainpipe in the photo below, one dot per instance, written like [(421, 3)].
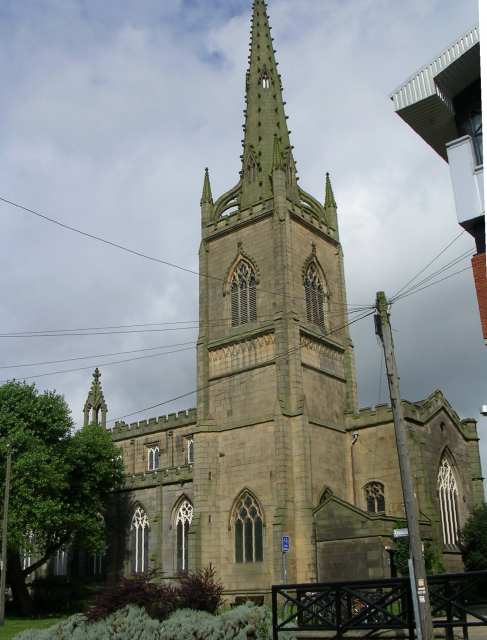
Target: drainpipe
[(354, 442)]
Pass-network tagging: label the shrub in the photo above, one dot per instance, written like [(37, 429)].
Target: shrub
[(157, 600), (132, 623), (200, 591)]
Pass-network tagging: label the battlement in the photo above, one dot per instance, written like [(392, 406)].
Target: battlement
[(122, 430), (419, 412), (170, 475)]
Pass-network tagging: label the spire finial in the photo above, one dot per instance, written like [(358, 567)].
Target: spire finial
[(207, 197), (329, 196), (95, 409)]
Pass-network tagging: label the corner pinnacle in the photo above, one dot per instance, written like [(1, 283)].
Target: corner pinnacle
[(207, 197), (329, 196)]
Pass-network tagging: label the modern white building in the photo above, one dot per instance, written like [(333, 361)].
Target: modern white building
[(442, 103)]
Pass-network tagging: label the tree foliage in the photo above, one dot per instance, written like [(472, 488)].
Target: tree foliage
[(60, 479), (473, 540), (432, 555)]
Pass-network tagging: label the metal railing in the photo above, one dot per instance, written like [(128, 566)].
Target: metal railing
[(341, 608)]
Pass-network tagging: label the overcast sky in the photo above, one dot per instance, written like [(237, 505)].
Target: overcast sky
[(111, 110)]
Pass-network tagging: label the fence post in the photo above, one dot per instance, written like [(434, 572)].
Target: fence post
[(408, 599), (449, 616), (275, 620), (338, 613)]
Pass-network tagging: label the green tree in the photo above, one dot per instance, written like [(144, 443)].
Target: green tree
[(61, 481), (432, 555), (473, 540)]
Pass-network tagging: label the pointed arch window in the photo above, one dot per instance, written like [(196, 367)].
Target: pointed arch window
[(265, 80), (153, 458), (243, 294), (139, 534), (374, 497), (248, 524), (316, 297), (448, 497), (184, 518), (250, 168), (61, 562)]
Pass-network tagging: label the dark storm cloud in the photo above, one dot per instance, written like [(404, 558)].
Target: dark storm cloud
[(111, 111)]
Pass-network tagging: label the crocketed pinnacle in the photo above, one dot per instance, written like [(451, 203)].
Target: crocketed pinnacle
[(95, 402), (265, 116), (329, 196), (207, 197)]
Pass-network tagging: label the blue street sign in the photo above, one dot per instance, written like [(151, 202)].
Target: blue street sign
[(285, 544)]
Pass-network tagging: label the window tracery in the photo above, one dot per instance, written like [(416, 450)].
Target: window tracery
[(243, 294), (139, 531), (315, 296), (184, 517), (374, 497), (248, 524), (448, 496)]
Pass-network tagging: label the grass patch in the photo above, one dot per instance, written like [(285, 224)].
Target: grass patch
[(13, 626)]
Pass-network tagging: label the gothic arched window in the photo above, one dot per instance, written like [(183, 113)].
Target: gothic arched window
[(448, 496), (184, 517), (243, 294), (248, 523), (139, 541), (153, 458), (315, 296), (374, 497)]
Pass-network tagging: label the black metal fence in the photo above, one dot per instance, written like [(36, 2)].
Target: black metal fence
[(370, 606)]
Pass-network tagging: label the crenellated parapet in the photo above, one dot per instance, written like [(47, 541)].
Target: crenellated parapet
[(420, 413), (122, 430), (148, 479)]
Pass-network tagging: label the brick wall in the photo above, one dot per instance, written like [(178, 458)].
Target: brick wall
[(480, 276)]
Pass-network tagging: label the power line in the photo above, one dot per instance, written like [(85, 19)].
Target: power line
[(104, 364), (211, 384), (99, 355), (442, 269), (107, 330), (134, 252), (432, 284), (429, 264)]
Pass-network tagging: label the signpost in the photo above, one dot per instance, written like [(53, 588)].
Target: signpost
[(285, 546)]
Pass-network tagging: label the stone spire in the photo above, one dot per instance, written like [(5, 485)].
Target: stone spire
[(95, 409), (264, 115)]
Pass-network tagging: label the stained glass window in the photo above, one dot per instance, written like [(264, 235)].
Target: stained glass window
[(184, 517), (448, 496), (139, 534), (374, 496), (248, 524)]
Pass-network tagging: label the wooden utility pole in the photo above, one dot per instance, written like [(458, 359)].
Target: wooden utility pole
[(3, 575), (420, 590)]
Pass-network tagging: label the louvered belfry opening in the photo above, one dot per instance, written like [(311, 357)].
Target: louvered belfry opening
[(315, 296), (244, 294)]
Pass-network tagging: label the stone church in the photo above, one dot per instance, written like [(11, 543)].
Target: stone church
[(277, 445)]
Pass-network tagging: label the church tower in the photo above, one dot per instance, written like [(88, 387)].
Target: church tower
[(275, 360)]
